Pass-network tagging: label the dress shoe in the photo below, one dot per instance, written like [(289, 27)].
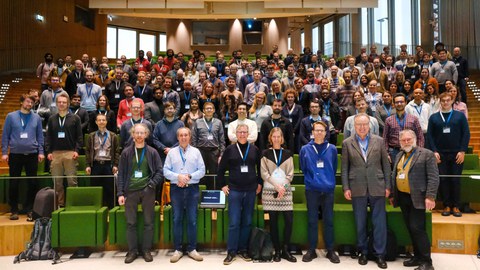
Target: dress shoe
[(309, 256), (287, 256), (411, 262), (425, 266), (131, 256), (456, 212), (147, 256), (362, 259), (244, 255), (277, 256), (381, 263), (332, 256), (14, 216), (446, 211), (229, 259)]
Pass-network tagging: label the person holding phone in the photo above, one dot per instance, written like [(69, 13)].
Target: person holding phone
[(276, 169)]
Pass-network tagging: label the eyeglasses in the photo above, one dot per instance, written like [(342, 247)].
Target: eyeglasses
[(242, 132), (208, 109), (319, 130), (136, 108)]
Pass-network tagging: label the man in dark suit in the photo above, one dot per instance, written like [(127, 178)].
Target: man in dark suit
[(154, 109), (415, 182), (366, 181)]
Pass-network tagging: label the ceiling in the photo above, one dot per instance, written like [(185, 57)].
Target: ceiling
[(227, 9)]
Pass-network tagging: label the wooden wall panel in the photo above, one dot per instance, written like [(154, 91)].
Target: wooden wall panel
[(24, 41)]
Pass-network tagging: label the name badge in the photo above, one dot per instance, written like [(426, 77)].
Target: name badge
[(320, 164), (209, 137), (53, 104), (442, 71), (129, 114), (290, 119), (138, 174), (179, 89), (413, 76), (378, 84), (446, 130), (312, 137), (219, 74), (78, 84), (187, 106), (61, 135), (401, 176), (102, 153), (23, 135), (226, 125), (117, 95), (244, 169), (457, 64)]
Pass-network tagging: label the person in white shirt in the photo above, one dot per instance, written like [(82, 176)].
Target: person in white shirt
[(419, 108), (242, 119)]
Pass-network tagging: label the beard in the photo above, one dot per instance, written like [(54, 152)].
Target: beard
[(407, 149)]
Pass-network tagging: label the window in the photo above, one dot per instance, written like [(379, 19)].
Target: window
[(163, 42), (403, 24), (147, 43), (289, 42), (111, 42), (364, 14), (127, 43), (328, 39), (302, 40), (381, 21), (344, 35), (315, 39)]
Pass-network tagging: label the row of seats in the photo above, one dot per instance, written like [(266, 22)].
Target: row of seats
[(83, 221)]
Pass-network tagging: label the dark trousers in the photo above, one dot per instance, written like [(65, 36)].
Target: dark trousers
[(210, 158), (107, 183), (379, 220), (415, 221), (450, 186), (16, 163), (462, 85), (184, 200), (323, 200), (146, 197), (275, 232)]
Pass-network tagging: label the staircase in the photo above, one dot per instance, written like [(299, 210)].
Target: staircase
[(473, 104)]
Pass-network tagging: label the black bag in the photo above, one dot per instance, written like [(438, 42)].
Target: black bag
[(391, 249), (44, 203), (40, 247), (260, 247)]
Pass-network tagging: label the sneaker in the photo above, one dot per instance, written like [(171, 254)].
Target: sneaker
[(131, 256), (456, 212), (332, 256), (14, 216), (309, 256), (147, 256), (244, 255), (229, 259), (194, 255), (176, 256), (446, 211)]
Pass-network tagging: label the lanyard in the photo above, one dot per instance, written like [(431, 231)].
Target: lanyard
[(401, 123), (78, 75), (139, 162), (184, 160), (419, 111), (117, 85), (226, 117), (143, 89), (323, 152), (187, 98), (209, 127), (408, 159), (100, 112), (256, 87), (277, 161), (27, 119), (291, 111), (276, 125), (387, 110), (259, 111), (104, 139), (250, 78), (246, 152), (60, 122), (326, 108), (135, 122), (54, 95), (364, 147), (448, 119), (75, 111)]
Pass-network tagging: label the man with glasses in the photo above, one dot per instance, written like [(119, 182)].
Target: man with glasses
[(165, 132), (154, 109), (366, 182), (242, 160), (448, 136), (124, 108), (136, 109), (242, 119), (398, 122), (114, 90), (140, 171), (102, 79)]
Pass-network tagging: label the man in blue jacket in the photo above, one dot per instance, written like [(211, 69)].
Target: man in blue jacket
[(318, 161)]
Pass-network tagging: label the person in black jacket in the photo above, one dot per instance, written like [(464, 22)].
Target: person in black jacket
[(331, 112), (277, 120), (242, 160)]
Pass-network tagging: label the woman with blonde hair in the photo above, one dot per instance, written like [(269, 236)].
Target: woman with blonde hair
[(276, 169), (208, 95), (276, 93), (260, 110)]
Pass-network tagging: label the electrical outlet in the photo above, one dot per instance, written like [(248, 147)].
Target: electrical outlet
[(451, 244)]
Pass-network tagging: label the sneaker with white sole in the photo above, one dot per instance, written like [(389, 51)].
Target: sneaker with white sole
[(177, 255), (194, 255)]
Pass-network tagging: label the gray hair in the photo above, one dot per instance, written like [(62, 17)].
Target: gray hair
[(145, 127), (240, 126)]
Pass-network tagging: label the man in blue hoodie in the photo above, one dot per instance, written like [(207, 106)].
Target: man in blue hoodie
[(318, 161)]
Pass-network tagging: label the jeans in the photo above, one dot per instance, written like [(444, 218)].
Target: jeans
[(16, 163), (316, 199), (184, 199), (146, 197), (379, 220), (240, 212)]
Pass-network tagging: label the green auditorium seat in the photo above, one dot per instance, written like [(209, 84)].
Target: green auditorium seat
[(343, 219), (83, 221), (471, 165)]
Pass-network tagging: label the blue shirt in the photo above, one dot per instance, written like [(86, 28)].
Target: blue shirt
[(186, 162), (12, 134)]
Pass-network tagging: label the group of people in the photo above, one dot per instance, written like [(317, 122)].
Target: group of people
[(181, 118)]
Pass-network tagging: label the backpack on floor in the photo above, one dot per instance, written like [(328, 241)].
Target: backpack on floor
[(260, 247), (44, 203), (40, 247)]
